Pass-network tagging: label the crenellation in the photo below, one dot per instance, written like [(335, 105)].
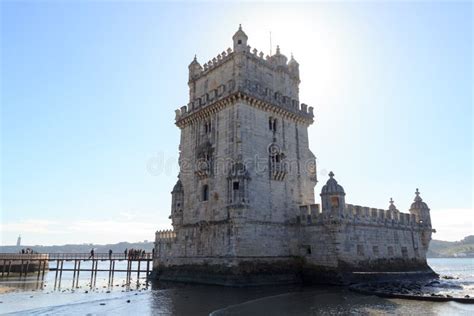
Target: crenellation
[(373, 213), (250, 67), (227, 92), (165, 235)]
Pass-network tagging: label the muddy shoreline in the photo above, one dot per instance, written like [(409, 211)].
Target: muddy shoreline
[(411, 290)]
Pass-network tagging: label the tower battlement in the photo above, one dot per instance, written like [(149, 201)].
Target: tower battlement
[(312, 214), (243, 71), (270, 62)]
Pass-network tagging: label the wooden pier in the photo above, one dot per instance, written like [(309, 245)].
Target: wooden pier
[(37, 264)]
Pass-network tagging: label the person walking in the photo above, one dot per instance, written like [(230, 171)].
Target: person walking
[(110, 253), (92, 254)]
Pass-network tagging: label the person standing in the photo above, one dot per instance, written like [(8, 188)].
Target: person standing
[(125, 253), (110, 253)]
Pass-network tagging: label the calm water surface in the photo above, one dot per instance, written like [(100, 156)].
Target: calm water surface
[(43, 298)]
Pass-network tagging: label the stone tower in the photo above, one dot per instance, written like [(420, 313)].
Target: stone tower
[(244, 151), (245, 163)]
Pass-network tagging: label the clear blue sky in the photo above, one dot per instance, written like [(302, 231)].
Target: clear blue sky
[(88, 92)]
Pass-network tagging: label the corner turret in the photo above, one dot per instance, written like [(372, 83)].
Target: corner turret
[(333, 197), (177, 198), (195, 68), (394, 212), (294, 68), (279, 59), (421, 210), (240, 40)]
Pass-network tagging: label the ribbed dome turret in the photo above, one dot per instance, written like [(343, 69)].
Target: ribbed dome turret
[(294, 67), (279, 59), (392, 206), (195, 68), (418, 203), (332, 187), (194, 62), (421, 210), (240, 40), (240, 34), (293, 62), (178, 187)]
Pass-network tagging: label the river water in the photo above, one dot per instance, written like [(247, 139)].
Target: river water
[(32, 297)]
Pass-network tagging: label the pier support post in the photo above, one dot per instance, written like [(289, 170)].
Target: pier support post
[(9, 268), (40, 262), (129, 271), (78, 271), (74, 273), (147, 269), (95, 273), (110, 270), (138, 270), (113, 271), (61, 274), (44, 268), (92, 272), (56, 274)]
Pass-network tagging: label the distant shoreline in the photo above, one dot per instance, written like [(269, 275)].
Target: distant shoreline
[(438, 249)]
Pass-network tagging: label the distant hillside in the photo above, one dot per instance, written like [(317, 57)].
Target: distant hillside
[(84, 248), (449, 249), (438, 248)]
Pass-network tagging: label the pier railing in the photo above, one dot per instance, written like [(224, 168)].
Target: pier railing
[(39, 263), (74, 256)]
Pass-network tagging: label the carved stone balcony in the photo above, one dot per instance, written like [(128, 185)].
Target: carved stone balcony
[(278, 171)]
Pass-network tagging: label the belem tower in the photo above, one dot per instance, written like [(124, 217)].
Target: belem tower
[(243, 209)]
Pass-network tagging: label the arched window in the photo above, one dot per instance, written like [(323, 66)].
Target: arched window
[(205, 192), (272, 124), (237, 182), (235, 185), (207, 128), (334, 201), (278, 168)]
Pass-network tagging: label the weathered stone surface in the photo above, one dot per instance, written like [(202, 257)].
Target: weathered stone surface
[(243, 209)]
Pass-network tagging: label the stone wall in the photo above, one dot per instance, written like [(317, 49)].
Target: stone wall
[(363, 238)]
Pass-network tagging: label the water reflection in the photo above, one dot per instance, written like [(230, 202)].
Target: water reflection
[(181, 299), (174, 299), (77, 275), (314, 300), (23, 284), (78, 294)]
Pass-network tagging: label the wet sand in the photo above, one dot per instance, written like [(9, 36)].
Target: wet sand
[(5, 289), (43, 298), (216, 301)]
